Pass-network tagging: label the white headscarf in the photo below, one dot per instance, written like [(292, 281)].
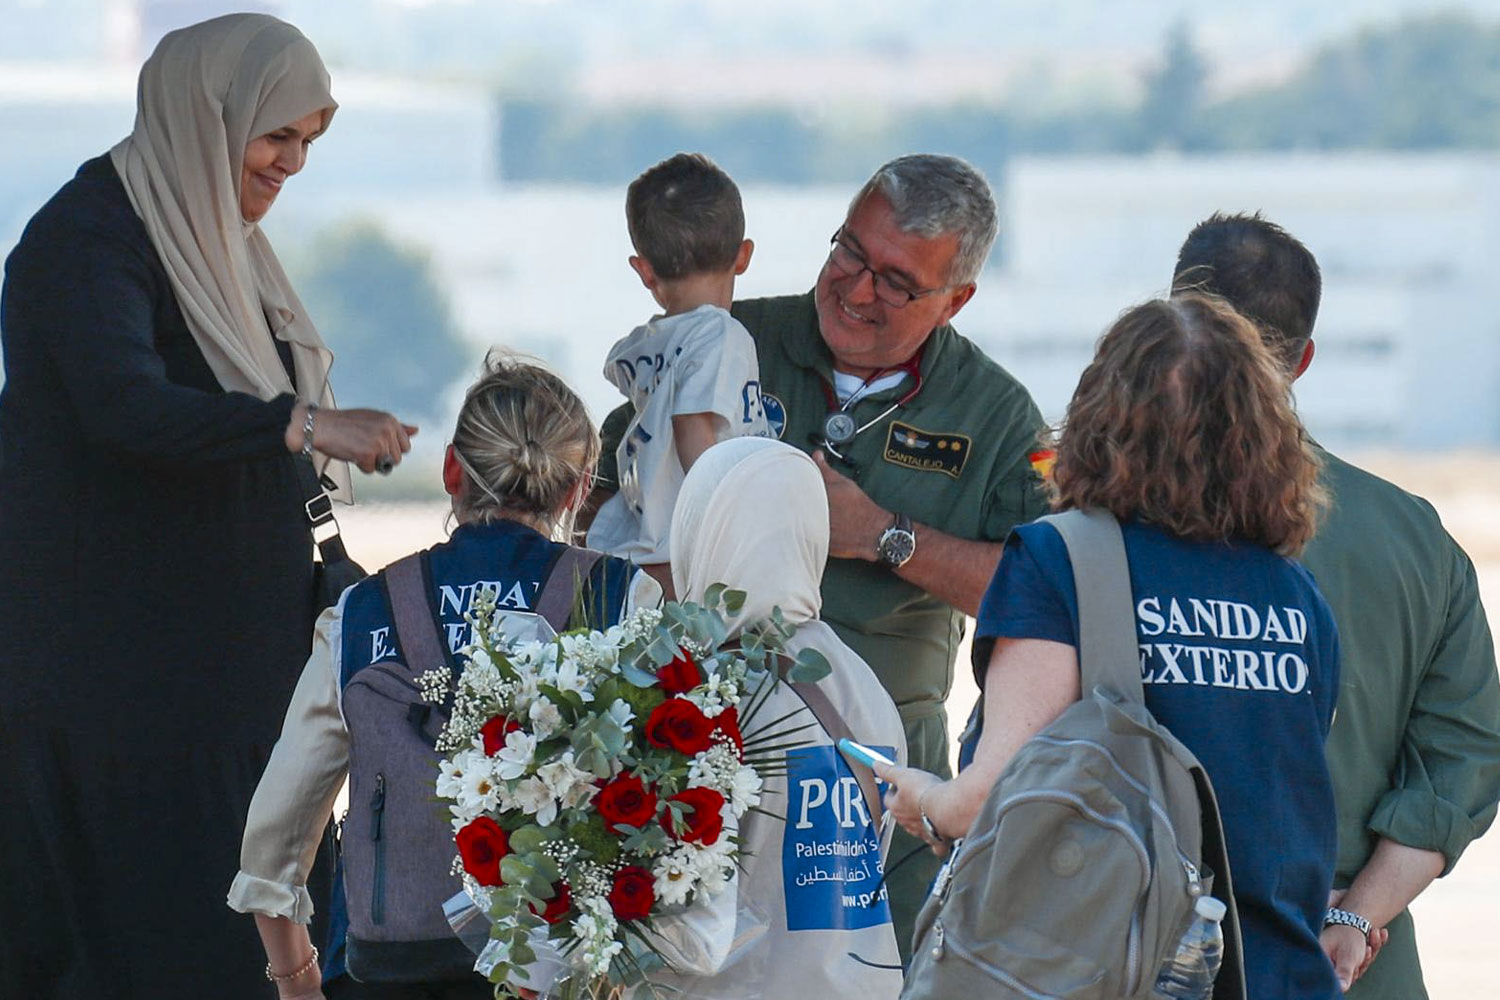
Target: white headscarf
[(753, 514), (204, 94)]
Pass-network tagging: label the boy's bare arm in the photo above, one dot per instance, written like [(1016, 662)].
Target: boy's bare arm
[(693, 434)]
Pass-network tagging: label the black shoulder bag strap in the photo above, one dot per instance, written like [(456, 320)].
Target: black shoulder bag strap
[(1106, 616)]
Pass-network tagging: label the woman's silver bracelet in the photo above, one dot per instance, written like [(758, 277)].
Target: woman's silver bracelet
[(307, 430)]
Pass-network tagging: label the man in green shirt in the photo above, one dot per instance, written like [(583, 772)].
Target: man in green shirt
[(925, 443), (1415, 745)]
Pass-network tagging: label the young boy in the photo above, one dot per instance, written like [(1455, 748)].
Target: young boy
[(690, 372)]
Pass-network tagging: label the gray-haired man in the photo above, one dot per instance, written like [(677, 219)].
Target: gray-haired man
[(925, 443)]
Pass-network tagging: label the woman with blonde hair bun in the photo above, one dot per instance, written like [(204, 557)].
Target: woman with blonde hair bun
[(1182, 427), (520, 465)]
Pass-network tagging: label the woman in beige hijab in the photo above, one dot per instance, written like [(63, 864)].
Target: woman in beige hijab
[(162, 385), (809, 896)]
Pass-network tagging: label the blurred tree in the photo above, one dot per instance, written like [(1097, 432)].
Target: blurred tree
[(1168, 115), (1424, 83), (383, 314)]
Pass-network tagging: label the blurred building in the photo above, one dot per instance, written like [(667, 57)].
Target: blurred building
[(1409, 331), (395, 138)]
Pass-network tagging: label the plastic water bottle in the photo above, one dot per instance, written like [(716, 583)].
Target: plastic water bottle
[(1189, 974)]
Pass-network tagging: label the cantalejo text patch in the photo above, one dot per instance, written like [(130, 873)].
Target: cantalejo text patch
[(927, 450)]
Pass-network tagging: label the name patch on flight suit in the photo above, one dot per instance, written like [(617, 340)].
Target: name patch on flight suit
[(927, 450)]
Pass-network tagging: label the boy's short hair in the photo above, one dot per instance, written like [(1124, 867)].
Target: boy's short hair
[(685, 216)]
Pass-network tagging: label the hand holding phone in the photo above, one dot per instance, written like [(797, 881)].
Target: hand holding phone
[(863, 754)]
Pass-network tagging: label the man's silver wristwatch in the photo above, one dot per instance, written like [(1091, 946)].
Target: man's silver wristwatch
[(897, 543), (1347, 918)]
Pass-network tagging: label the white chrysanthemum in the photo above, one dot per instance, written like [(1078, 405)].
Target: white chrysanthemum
[(676, 875), (532, 797), (515, 758), (545, 717), (479, 789), (744, 792), (451, 776), (713, 865)]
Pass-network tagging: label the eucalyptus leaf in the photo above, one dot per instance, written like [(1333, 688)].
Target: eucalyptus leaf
[(663, 648), (639, 677), (549, 872), (734, 601), (514, 869), (527, 839), (811, 666)]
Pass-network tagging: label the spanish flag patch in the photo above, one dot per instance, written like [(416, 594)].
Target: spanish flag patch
[(1042, 461)]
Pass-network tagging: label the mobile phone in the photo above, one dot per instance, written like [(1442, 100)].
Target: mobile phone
[(863, 754)]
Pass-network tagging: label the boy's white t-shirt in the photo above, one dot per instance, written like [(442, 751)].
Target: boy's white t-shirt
[(702, 361)]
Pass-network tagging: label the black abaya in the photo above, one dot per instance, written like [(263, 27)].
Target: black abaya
[(155, 611)]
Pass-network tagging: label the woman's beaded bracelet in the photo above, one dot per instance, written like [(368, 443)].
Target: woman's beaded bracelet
[(300, 970), (307, 430)]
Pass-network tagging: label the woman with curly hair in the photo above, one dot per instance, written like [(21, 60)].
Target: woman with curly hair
[(1182, 427)]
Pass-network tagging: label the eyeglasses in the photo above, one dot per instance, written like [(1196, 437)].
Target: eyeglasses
[(892, 291)]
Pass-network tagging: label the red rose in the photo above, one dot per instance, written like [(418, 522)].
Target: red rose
[(482, 844), (681, 675), (728, 723), (633, 893), (625, 802), (559, 905), (703, 822), (494, 733), (678, 724)]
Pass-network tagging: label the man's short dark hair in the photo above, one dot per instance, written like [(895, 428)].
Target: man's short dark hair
[(1259, 268), (685, 217)]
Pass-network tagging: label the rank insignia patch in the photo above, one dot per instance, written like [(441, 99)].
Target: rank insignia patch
[(926, 450)]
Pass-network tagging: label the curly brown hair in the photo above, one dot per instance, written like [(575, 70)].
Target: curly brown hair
[(1184, 419)]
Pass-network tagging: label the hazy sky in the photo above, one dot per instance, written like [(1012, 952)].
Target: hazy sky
[(505, 39)]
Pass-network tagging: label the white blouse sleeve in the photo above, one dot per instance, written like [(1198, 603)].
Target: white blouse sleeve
[(296, 793)]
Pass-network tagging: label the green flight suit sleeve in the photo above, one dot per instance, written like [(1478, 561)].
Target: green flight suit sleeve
[(1447, 780), (1018, 495)]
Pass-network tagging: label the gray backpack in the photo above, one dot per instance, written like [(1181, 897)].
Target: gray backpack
[(1079, 874), (397, 841)]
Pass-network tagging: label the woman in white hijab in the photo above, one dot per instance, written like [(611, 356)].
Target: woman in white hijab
[(163, 383), (812, 918)]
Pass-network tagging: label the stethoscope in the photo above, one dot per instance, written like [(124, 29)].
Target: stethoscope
[(840, 427)]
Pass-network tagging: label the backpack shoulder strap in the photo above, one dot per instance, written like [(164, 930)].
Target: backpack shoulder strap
[(564, 583), (822, 708), (1107, 654), (416, 631)]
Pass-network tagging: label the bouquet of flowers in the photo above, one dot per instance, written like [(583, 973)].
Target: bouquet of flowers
[(596, 779)]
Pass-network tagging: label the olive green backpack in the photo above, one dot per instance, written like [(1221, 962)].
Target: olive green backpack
[(1079, 874)]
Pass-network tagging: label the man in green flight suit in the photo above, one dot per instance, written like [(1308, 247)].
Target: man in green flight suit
[(924, 442), (1414, 749)]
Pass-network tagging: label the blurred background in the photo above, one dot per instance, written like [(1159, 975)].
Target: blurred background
[(470, 193)]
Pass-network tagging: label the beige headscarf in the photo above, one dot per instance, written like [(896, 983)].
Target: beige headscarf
[(206, 91), (753, 514)]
